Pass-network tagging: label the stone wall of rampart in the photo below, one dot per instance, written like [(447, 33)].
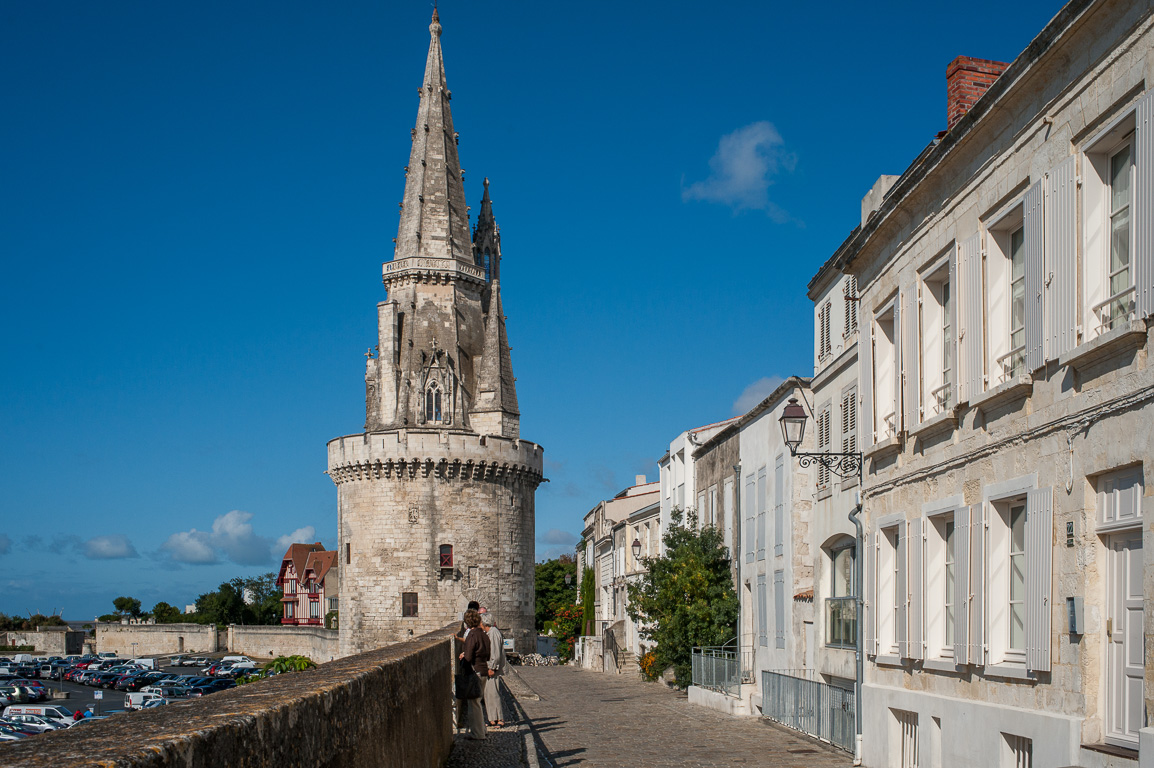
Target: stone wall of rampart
[(317, 643), (156, 639), (385, 708)]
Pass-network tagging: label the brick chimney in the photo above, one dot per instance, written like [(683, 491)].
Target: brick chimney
[(966, 80)]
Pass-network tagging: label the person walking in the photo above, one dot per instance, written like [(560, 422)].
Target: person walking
[(476, 656), (493, 707)]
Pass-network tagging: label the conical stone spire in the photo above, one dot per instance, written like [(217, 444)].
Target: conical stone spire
[(434, 218)]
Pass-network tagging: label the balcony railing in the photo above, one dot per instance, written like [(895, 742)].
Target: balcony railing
[(941, 396), (841, 622), (796, 699), (722, 668), (1011, 364), (1116, 309), (889, 426)]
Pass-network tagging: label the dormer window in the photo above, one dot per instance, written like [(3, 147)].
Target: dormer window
[(433, 403)]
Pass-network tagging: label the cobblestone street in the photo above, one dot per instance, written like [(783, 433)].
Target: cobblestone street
[(597, 720)]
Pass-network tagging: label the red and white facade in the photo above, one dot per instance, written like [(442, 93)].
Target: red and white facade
[(308, 580)]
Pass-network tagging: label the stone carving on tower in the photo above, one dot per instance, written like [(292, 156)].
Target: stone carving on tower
[(435, 498)]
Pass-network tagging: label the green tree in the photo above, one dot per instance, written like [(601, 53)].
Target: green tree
[(127, 606), (165, 613), (262, 596), (552, 591), (588, 599), (686, 598), (222, 607)]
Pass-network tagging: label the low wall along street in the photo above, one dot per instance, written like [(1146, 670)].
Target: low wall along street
[(317, 643), (47, 641), (388, 708), (157, 639)]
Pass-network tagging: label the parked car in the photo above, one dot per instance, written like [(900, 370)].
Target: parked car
[(14, 694), (33, 723), (53, 712), (9, 733), (212, 687), (168, 691), (154, 703), (137, 699), (136, 682), (37, 689)]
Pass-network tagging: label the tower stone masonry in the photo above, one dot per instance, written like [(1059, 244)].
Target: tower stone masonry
[(435, 498)]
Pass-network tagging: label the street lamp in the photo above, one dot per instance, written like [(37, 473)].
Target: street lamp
[(793, 421), (636, 549), (568, 579)]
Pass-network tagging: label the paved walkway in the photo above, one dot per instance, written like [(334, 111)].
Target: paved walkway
[(597, 720)]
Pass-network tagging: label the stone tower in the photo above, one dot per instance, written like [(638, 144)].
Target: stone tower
[(435, 497)]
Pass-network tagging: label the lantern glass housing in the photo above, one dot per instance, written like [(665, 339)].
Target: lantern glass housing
[(793, 420)]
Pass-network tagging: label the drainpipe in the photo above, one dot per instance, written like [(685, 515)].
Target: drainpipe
[(859, 656)]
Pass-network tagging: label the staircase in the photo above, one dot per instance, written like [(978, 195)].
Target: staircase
[(618, 658)]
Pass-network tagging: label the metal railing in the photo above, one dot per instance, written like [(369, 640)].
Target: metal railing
[(722, 668), (1117, 308), (1011, 364), (810, 706), (942, 395)]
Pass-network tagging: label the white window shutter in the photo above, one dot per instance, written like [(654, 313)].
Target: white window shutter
[(911, 355), (779, 608), (869, 612), (779, 501), (1039, 554), (901, 592), (897, 372), (977, 619), (762, 612), (750, 514), (865, 348), (961, 585), (1143, 206), (761, 514), (971, 329), (1035, 276), (914, 586), (955, 353), (1062, 257)]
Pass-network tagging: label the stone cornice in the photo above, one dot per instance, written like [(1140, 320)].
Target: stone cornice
[(403, 454), (428, 270)]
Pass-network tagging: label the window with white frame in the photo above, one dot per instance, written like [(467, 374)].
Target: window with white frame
[(885, 374), (889, 599), (750, 517), (711, 518), (1005, 296), (850, 292), (1120, 497), (841, 604), (824, 345), (823, 444), (762, 611), (937, 341), (942, 591), (1108, 277), (727, 512)]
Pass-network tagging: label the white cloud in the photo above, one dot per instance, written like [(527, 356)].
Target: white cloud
[(110, 547), (755, 393), (557, 537), (306, 535), (552, 553), (5, 544), (233, 534), (191, 547), (743, 169)]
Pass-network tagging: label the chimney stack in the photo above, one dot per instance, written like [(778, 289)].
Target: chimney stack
[(966, 80), (639, 479)]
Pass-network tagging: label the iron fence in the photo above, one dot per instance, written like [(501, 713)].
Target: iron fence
[(810, 706), (722, 668)]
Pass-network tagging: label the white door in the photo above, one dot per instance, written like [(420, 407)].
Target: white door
[(1125, 653)]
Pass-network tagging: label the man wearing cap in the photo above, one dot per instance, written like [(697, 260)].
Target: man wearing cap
[(495, 713)]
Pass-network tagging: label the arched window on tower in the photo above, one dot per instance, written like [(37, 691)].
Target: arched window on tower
[(433, 403)]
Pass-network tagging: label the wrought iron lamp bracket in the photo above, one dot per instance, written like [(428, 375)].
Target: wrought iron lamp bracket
[(844, 465)]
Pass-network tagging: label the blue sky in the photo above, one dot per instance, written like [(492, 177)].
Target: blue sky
[(197, 199)]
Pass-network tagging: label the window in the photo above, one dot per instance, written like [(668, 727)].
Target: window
[(289, 610), (333, 603), (1120, 498), (890, 606), (944, 593), (937, 342), (849, 421), (779, 608), (750, 516), (1017, 751), (446, 556), (851, 300), (823, 419), (761, 510), (290, 587), (951, 578), (841, 605), (1108, 274), (1005, 299), (779, 505), (1013, 362), (762, 612), (1017, 592), (885, 374), (727, 512), (824, 347), (400, 336), (701, 509), (348, 552), (433, 403), (314, 609), (711, 518), (409, 604)]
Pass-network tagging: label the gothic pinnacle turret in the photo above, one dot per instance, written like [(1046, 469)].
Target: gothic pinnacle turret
[(434, 218)]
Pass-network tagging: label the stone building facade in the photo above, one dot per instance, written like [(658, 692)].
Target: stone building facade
[(436, 497), (1006, 402)]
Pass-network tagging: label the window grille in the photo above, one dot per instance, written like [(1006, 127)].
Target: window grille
[(409, 604)]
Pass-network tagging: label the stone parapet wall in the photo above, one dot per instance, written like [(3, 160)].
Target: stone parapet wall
[(451, 454), (48, 641), (317, 643), (156, 639), (387, 708)]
